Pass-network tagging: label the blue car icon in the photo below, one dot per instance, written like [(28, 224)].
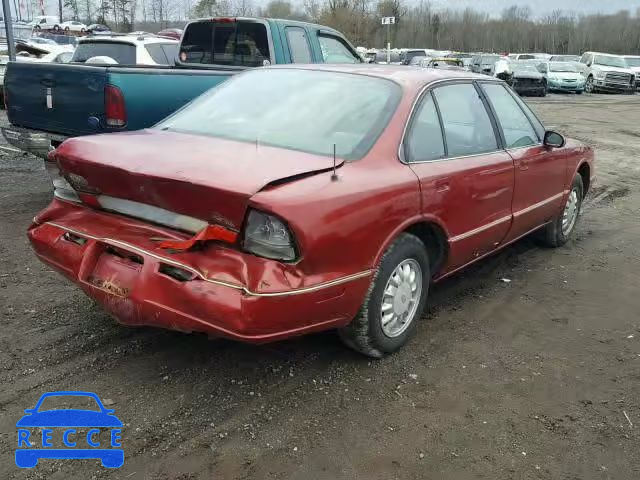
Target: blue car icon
[(27, 456)]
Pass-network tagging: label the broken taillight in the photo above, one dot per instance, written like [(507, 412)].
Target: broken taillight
[(114, 107)]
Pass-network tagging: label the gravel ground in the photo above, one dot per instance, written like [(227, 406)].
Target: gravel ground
[(528, 379)]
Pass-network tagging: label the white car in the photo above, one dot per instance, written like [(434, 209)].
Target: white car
[(45, 22), (607, 72), (126, 50), (73, 26), (633, 61)]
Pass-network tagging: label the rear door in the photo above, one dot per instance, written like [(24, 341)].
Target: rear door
[(57, 98), (466, 179), (539, 171)]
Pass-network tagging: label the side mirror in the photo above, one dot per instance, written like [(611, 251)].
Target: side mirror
[(588, 64), (553, 139)]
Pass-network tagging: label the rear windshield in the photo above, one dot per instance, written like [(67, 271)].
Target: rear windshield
[(123, 53), (303, 110), (241, 44)]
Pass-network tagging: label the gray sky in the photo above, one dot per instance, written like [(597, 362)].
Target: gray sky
[(494, 7), (542, 7)]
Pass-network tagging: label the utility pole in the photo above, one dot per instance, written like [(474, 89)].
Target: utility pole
[(8, 25), (388, 21), (60, 9)]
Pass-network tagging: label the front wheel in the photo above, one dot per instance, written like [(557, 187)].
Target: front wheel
[(588, 86), (558, 231), (394, 302)]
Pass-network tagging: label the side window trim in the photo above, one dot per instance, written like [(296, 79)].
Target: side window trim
[(493, 118), (410, 124)]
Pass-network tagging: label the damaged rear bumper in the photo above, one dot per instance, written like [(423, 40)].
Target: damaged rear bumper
[(140, 285)]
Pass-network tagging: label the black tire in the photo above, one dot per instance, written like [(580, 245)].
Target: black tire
[(579, 92), (56, 28), (589, 87), (552, 235), (365, 334), (66, 29)]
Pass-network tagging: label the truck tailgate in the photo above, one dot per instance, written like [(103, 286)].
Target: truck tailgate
[(57, 98)]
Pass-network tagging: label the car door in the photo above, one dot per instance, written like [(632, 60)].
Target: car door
[(334, 49), (539, 171), (466, 179)]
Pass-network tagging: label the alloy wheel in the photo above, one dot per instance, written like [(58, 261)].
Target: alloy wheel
[(570, 214), (401, 298)]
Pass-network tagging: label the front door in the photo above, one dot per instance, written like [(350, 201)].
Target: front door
[(466, 180), (539, 171)]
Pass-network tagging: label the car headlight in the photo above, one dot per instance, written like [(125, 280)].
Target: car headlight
[(268, 236), (599, 75)]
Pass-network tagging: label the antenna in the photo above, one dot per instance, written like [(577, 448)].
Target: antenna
[(334, 177)]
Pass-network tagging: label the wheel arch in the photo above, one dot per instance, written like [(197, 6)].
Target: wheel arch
[(584, 170), (433, 235)]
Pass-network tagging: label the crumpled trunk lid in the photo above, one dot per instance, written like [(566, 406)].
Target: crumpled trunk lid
[(206, 178)]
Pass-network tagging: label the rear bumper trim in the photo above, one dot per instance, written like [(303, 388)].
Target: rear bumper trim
[(201, 276)]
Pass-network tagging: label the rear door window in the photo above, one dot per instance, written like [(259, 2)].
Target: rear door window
[(122, 52), (298, 45), (466, 122), (335, 50), (241, 44)]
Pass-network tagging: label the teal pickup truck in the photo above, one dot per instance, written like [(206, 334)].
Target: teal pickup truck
[(118, 83)]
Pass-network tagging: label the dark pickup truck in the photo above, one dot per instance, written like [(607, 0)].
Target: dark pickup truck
[(47, 103)]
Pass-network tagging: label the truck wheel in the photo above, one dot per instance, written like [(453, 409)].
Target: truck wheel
[(394, 302), (557, 232), (588, 86)]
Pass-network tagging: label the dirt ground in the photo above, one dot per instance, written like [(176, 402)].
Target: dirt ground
[(527, 379)]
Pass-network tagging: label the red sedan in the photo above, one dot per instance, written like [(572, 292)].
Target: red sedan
[(298, 199)]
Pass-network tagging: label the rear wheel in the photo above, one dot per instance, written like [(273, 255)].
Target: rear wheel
[(394, 302), (557, 232)]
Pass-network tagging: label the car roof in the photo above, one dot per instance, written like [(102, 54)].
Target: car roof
[(401, 74)]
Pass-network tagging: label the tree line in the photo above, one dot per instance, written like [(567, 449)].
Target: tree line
[(419, 25)]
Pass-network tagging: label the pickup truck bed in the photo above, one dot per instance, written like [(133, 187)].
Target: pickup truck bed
[(69, 100)]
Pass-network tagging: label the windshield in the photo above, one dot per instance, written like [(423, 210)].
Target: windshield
[(294, 109), (489, 60), (123, 53), (633, 61), (523, 67), (610, 61), (565, 58), (233, 43), (562, 67)]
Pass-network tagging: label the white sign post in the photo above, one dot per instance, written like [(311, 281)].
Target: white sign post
[(388, 21)]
